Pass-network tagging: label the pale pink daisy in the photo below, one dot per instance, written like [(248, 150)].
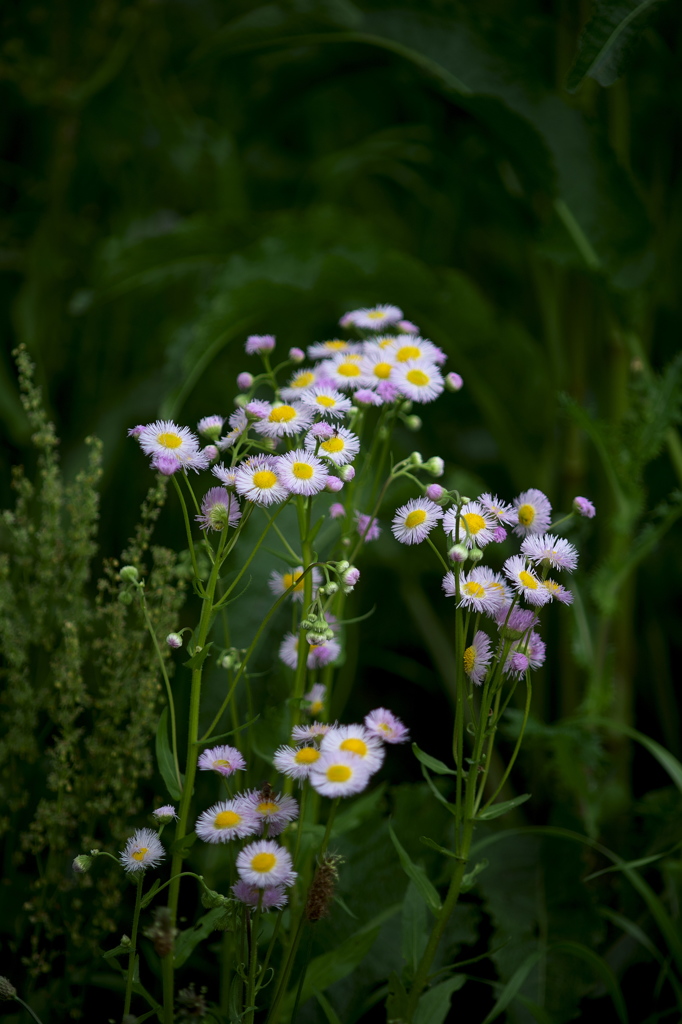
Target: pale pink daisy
[(210, 427), (273, 811), (258, 480), (258, 408), (318, 654), (386, 726), (475, 590), (266, 864), (557, 592), (229, 819), (226, 476), (284, 420), (418, 380), (165, 814), (337, 510), (368, 529), (163, 437), (355, 740), (238, 423), (527, 653), (316, 697), (143, 850), (224, 760), (313, 731), (502, 510), (296, 762), (219, 509), (413, 521), (477, 657), (476, 525), (584, 507), (344, 371), (365, 396), (546, 548), (339, 773), (259, 343), (524, 581), (375, 318), (340, 449), (377, 365), (301, 472), (334, 347), (327, 401), (300, 381), (534, 511), (404, 349), (280, 582)]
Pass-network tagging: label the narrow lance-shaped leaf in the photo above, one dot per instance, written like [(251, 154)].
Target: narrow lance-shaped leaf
[(164, 758), (416, 873), (608, 40)]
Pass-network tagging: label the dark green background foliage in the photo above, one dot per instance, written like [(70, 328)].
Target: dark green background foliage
[(177, 175)]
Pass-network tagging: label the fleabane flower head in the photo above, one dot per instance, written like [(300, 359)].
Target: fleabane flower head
[(210, 427), (219, 509), (555, 551), (344, 371), (534, 512), (318, 655), (477, 657), (501, 510), (226, 476), (270, 897), (165, 814), (523, 654), (476, 525), (165, 438), (374, 318), (224, 760), (316, 697), (481, 590), (284, 420), (229, 819), (334, 347), (326, 401), (413, 522), (339, 773), (259, 343), (313, 731), (524, 581), (303, 379), (143, 850), (258, 480), (367, 528), (385, 726), (296, 762), (584, 507), (418, 380), (301, 472), (280, 582), (238, 423), (265, 864), (366, 396), (405, 349), (337, 510), (340, 448), (557, 592), (356, 740), (273, 810), (377, 365), (407, 327)]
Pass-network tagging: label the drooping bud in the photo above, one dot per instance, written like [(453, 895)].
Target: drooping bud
[(584, 507), (413, 423), (435, 466), (347, 473), (475, 554), (458, 553), (333, 484), (81, 863), (7, 989), (453, 381), (129, 574), (435, 492), (416, 459), (297, 355), (244, 381), (174, 640)]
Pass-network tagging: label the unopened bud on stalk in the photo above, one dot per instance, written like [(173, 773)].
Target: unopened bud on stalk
[(342, 566), (241, 400), (435, 466), (413, 423), (211, 452), (297, 355), (333, 484), (129, 574), (347, 473), (475, 554), (174, 640), (125, 597), (81, 863), (435, 492), (329, 589), (315, 639), (351, 576), (453, 381), (416, 459), (7, 989), (244, 381), (458, 553)]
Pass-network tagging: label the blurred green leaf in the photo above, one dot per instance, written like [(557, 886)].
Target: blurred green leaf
[(496, 810), (432, 762), (434, 1005), (416, 873), (601, 968), (414, 927), (191, 937), (608, 40), (164, 758)]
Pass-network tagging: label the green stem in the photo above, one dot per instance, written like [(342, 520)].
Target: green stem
[(169, 692), (253, 962), (133, 945), (18, 999), (248, 561), (529, 693), (188, 530), (290, 551)]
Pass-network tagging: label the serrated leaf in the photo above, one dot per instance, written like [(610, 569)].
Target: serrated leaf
[(497, 810), (416, 873), (199, 657), (434, 1005), (608, 40), (432, 762), (191, 937), (164, 758)]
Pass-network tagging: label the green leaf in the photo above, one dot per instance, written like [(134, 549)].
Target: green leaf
[(434, 1005), (435, 846), (149, 896), (184, 844), (432, 762), (414, 933), (199, 657), (326, 1007), (164, 758), (416, 873), (191, 937), (601, 968), (469, 879), (117, 951), (437, 793), (513, 985), (666, 760), (608, 40), (497, 810), (396, 1001)]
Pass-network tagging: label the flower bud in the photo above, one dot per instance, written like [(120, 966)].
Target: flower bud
[(351, 576), (347, 473), (458, 553), (333, 484), (315, 639), (499, 534), (337, 511), (125, 597), (81, 863), (453, 381), (584, 507), (435, 492), (475, 554), (342, 566), (413, 423), (211, 452), (241, 400), (129, 574), (174, 640), (297, 355), (415, 459), (7, 989), (329, 589), (435, 466)]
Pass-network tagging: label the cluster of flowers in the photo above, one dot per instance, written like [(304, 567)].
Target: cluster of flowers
[(472, 526)]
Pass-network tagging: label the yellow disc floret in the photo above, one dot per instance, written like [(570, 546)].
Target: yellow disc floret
[(406, 352), (303, 380), (348, 369), (302, 470), (415, 518), (169, 440), (382, 370), (355, 746), (282, 414), (265, 479), (306, 755), (528, 581), (325, 401), (417, 377), (227, 819), (474, 589), (334, 444), (526, 515), (263, 862), (139, 854), (267, 807), (469, 659), (338, 773), (475, 522)]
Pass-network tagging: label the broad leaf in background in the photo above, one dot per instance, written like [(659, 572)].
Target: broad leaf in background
[(608, 39)]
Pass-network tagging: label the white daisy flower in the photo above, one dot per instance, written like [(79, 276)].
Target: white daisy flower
[(524, 581), (355, 740), (224, 760), (266, 863), (534, 512), (340, 449), (284, 420), (327, 402), (229, 819), (477, 657), (301, 472), (377, 365), (163, 437), (414, 521), (339, 773), (165, 814), (296, 762), (273, 810), (555, 551), (418, 379), (375, 318), (502, 510), (301, 380), (143, 850), (239, 423), (557, 592), (476, 526), (327, 349), (280, 582), (313, 731), (258, 480), (386, 726), (316, 698), (476, 590), (404, 349), (344, 371), (226, 476)]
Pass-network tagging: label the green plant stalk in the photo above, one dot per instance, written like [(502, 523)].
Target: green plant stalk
[(169, 692), (253, 963), (188, 530), (515, 753), (205, 622), (248, 561), (133, 945)]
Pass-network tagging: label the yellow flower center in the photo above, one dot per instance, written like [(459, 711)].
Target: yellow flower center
[(290, 577), (475, 522), (316, 707), (306, 755), (169, 440), (326, 401), (417, 377), (474, 589), (335, 346), (348, 369), (263, 862), (282, 414), (382, 370), (528, 580), (407, 352), (355, 746), (469, 659), (302, 470), (552, 586), (334, 444), (376, 314), (303, 380), (415, 518), (265, 479), (267, 807), (339, 773), (227, 819), (526, 515), (139, 854), (221, 763)]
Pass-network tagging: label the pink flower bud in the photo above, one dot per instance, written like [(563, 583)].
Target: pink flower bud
[(453, 381), (244, 381), (297, 355), (333, 484), (435, 492)]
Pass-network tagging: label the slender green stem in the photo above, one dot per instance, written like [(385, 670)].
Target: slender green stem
[(188, 530), (515, 753), (248, 561), (440, 558), (290, 551), (18, 999), (133, 946), (253, 963), (169, 692)]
